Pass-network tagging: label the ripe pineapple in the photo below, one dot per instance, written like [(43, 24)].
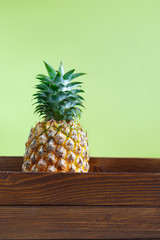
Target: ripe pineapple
[(57, 143)]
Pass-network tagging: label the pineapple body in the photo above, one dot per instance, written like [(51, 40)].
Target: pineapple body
[(56, 146)]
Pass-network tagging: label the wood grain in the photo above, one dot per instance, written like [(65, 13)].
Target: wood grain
[(118, 199), (11, 163), (17, 188), (148, 165), (79, 222), (139, 165)]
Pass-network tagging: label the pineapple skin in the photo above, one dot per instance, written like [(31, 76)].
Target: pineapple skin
[(56, 146)]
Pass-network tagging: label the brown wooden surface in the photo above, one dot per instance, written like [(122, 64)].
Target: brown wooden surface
[(118, 199), (79, 222), (11, 163), (149, 165), (17, 188)]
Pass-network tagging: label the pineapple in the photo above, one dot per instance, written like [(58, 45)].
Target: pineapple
[(57, 143)]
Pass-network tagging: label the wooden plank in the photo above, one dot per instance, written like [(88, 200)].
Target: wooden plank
[(150, 165), (17, 188), (141, 165), (11, 163), (79, 222)]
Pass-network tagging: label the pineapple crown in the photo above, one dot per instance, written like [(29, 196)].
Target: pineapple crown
[(58, 95)]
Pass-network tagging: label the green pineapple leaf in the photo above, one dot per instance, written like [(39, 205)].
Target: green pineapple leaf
[(73, 85), (80, 97), (43, 78), (77, 75), (50, 70), (58, 78), (75, 91), (57, 97), (68, 75), (61, 69)]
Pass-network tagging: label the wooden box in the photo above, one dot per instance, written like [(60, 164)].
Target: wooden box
[(118, 199)]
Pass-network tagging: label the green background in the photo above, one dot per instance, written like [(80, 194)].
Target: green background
[(117, 42)]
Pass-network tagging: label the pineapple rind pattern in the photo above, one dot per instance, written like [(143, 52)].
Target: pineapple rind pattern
[(56, 146)]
